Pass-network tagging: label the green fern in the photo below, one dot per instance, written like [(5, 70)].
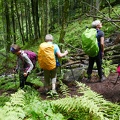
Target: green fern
[(90, 106), (41, 110), (64, 89), (13, 110), (108, 109), (3, 98)]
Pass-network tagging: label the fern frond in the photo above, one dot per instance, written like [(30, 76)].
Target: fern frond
[(102, 105), (64, 89), (89, 106), (13, 110)]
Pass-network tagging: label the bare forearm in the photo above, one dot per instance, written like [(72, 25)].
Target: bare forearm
[(102, 44), (59, 54)]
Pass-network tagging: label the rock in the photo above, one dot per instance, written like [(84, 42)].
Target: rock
[(74, 74)]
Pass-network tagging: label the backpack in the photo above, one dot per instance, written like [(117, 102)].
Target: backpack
[(32, 56), (89, 42), (46, 57), (118, 69)]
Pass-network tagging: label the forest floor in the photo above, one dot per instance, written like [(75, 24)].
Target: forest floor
[(106, 88)]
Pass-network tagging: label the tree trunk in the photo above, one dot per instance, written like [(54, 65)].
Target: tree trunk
[(26, 21), (64, 21), (13, 21), (42, 21), (47, 17), (7, 16), (37, 20), (20, 28), (30, 32), (34, 4)]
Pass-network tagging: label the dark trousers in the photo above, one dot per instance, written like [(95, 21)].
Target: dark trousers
[(22, 79), (98, 60), (23, 82)]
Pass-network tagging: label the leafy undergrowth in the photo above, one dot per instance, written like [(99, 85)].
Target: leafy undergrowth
[(27, 105)]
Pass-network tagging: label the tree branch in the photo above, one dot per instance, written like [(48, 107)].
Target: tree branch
[(104, 17)]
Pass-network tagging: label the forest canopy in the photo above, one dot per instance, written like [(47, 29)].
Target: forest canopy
[(27, 21)]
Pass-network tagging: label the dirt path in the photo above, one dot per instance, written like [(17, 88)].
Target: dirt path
[(106, 88)]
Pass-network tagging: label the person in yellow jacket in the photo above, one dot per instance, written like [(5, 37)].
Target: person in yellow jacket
[(50, 75)]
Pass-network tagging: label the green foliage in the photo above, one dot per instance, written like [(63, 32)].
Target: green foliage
[(13, 110), (90, 106), (102, 108), (52, 94), (42, 110), (28, 105), (107, 65), (35, 80), (9, 82), (5, 63), (64, 89), (37, 109), (3, 98), (109, 27)]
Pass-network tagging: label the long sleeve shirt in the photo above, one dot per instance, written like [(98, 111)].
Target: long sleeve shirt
[(24, 64)]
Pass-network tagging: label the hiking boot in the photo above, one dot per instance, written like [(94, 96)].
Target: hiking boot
[(54, 92), (43, 90), (88, 80), (101, 79)]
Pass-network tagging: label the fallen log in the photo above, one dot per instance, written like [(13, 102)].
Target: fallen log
[(114, 57), (114, 47)]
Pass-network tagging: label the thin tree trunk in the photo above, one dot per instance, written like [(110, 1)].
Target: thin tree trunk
[(21, 11), (20, 28), (3, 23), (37, 20), (26, 21), (13, 21), (7, 16), (64, 21), (42, 21), (30, 31), (34, 4), (58, 12), (47, 16)]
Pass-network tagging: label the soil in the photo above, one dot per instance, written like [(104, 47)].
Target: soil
[(107, 88)]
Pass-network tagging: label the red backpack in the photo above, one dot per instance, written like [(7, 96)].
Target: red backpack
[(118, 69)]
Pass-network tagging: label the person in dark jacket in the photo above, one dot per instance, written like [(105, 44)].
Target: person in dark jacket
[(98, 59)]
